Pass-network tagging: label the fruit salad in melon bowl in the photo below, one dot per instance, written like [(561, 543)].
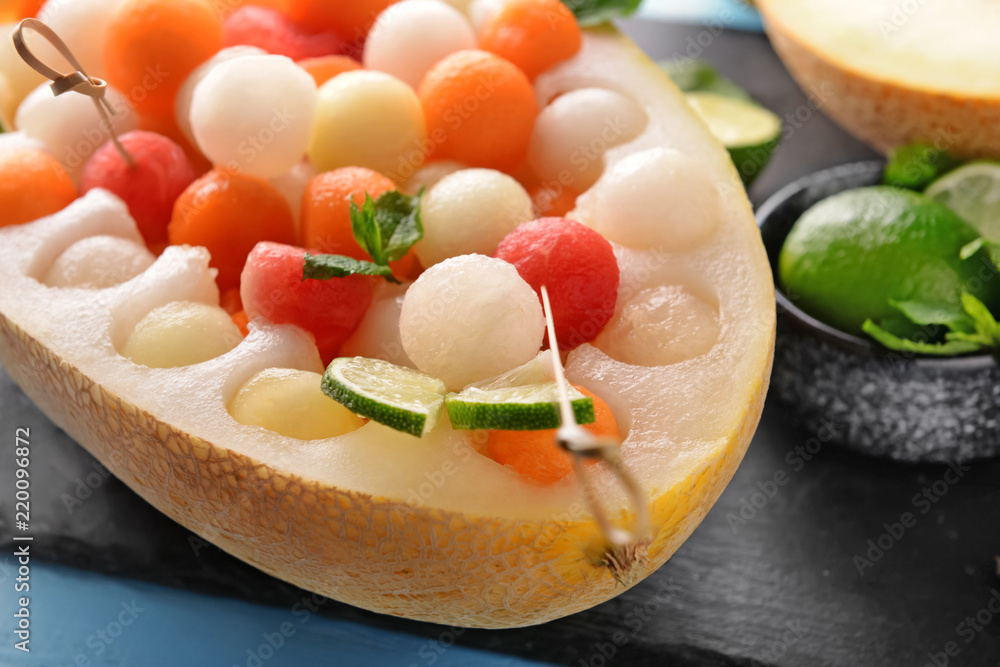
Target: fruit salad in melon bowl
[(297, 299)]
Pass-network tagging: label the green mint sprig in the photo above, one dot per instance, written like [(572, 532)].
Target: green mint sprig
[(325, 267), (972, 329), (915, 166), (388, 228), (593, 12), (385, 228)]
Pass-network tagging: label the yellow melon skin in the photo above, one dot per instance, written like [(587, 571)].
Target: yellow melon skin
[(487, 550), (389, 557), (883, 112)]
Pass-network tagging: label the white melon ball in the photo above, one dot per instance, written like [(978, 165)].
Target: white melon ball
[(410, 37), (255, 114), (481, 11), (470, 318), (181, 333), (470, 211), (182, 107), (82, 24), (377, 337), (430, 175), (573, 132), (97, 262), (369, 119), (661, 326), (291, 403), (292, 185), (13, 141), (18, 77), (657, 198), (70, 127)]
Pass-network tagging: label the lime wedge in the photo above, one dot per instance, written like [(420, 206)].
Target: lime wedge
[(748, 131), (400, 398), (973, 191), (532, 407)]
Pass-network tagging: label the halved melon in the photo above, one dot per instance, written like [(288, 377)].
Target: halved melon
[(897, 72), (423, 528)]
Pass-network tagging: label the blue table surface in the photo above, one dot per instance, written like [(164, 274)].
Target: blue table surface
[(728, 13), (82, 619), (85, 619)]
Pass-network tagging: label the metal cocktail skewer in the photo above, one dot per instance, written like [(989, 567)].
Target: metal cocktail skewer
[(582, 444)]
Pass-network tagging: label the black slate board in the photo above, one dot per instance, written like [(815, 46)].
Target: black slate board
[(778, 584)]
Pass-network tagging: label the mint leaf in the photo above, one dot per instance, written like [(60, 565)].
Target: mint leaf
[(947, 348), (401, 213), (926, 314), (387, 228), (915, 166), (904, 327), (986, 328), (325, 267), (365, 228), (972, 329), (592, 12)]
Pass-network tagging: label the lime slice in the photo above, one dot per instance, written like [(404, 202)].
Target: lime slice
[(537, 371), (748, 131), (973, 191), (401, 398), (529, 408)]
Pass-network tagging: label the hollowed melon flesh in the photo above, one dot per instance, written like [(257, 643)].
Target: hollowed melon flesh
[(423, 528)]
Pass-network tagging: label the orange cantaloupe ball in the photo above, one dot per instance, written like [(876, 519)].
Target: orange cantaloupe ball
[(480, 110), (324, 68), (351, 19), (326, 213), (15, 10), (32, 185), (553, 200), (536, 455), (229, 213), (152, 46), (227, 7), (535, 35)]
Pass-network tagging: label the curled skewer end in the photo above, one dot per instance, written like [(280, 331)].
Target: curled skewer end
[(77, 81)]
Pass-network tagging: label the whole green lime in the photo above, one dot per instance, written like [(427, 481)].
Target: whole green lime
[(853, 254)]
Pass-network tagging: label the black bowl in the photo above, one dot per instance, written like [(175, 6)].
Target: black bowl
[(858, 394)]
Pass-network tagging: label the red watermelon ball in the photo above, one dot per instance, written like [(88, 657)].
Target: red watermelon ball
[(578, 267), (272, 287), (161, 173), (272, 31)]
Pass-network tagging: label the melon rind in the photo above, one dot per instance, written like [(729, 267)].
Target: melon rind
[(886, 93), (485, 549)]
